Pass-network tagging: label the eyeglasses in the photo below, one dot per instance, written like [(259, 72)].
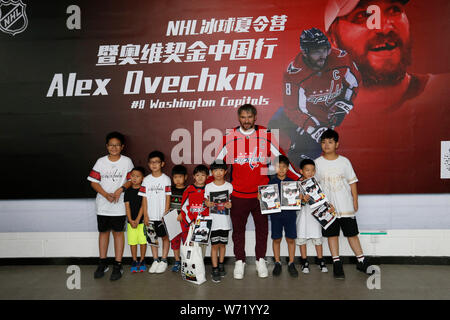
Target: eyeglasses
[(114, 145)]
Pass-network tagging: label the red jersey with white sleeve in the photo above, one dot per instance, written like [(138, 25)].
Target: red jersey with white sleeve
[(250, 154), (192, 204), (309, 95)]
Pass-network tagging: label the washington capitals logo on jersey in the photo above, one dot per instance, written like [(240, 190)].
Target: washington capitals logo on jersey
[(195, 208), (291, 69), (253, 159), (326, 96)]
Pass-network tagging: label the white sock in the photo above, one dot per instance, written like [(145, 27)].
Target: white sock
[(335, 259), (360, 258)]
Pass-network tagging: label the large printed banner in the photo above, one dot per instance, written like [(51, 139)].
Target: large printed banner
[(170, 75)]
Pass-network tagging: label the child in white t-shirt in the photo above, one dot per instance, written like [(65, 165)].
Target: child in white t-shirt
[(217, 198), (338, 180), (156, 191), (110, 178), (307, 226)]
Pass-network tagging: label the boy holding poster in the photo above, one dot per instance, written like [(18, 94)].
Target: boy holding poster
[(285, 219), (156, 191), (307, 225), (335, 174), (217, 198)]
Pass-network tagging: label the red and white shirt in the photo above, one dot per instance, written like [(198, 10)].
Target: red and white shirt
[(309, 94), (193, 204), (156, 190), (111, 175), (250, 154)]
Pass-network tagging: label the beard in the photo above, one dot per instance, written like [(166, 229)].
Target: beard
[(389, 73)]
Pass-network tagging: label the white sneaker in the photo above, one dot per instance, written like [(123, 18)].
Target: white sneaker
[(162, 266), (239, 267), (261, 268), (153, 267)]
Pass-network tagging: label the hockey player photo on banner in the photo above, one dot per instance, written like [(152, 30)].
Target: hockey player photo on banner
[(324, 215), (269, 199), (312, 188), (290, 196), (219, 198), (150, 234)]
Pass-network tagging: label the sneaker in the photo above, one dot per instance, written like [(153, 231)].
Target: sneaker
[(322, 266), (134, 266), (261, 268), (141, 266), (222, 272), (277, 270), (162, 266), (239, 267), (338, 270), (304, 264), (153, 267), (362, 266), (215, 275), (292, 270), (117, 272), (101, 269), (177, 266)]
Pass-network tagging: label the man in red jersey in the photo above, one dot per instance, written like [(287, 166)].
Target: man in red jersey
[(249, 149), (320, 85)]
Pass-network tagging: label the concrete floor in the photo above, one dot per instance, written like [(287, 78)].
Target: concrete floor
[(397, 282)]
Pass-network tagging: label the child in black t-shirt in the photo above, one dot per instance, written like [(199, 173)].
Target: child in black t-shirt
[(135, 216), (179, 177)]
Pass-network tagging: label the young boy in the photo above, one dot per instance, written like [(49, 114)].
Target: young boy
[(156, 191), (338, 180), (109, 178), (286, 220), (192, 203), (179, 177), (135, 216), (221, 221), (307, 226)]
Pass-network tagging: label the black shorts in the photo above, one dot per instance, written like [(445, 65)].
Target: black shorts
[(108, 223), (160, 229), (219, 237), (348, 225)]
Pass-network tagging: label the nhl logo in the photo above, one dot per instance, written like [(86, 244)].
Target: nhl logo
[(13, 18)]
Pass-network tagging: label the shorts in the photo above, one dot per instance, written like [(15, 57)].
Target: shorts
[(302, 241), (160, 229), (348, 225), (219, 237), (136, 236), (287, 220), (108, 223)]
